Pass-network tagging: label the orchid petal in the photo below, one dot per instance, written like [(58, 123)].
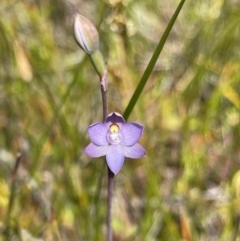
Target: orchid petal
[(93, 150), (135, 151), (114, 118), (131, 132), (98, 134), (115, 158)]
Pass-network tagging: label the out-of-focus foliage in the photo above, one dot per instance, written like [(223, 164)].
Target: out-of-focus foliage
[(187, 188)]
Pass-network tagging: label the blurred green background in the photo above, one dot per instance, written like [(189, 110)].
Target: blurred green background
[(187, 188)]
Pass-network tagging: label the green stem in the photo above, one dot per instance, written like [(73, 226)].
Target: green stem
[(12, 196), (152, 63)]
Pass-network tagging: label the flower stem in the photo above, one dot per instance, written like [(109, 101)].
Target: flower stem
[(110, 196), (104, 83), (104, 103)]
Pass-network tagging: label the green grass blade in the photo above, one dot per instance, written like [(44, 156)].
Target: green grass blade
[(152, 63)]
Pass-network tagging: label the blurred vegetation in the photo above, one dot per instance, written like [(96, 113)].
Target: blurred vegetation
[(187, 188)]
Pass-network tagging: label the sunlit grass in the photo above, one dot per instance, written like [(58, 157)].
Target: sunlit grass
[(187, 186)]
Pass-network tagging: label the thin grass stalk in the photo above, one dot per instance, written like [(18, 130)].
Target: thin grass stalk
[(151, 63), (12, 197)]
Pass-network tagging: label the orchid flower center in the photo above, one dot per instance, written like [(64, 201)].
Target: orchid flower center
[(114, 128), (113, 136)]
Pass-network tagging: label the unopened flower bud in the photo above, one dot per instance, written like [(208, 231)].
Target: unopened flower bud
[(86, 34)]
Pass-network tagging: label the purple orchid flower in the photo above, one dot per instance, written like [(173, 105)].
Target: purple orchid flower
[(116, 140)]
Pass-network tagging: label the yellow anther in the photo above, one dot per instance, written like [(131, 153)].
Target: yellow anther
[(114, 128)]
